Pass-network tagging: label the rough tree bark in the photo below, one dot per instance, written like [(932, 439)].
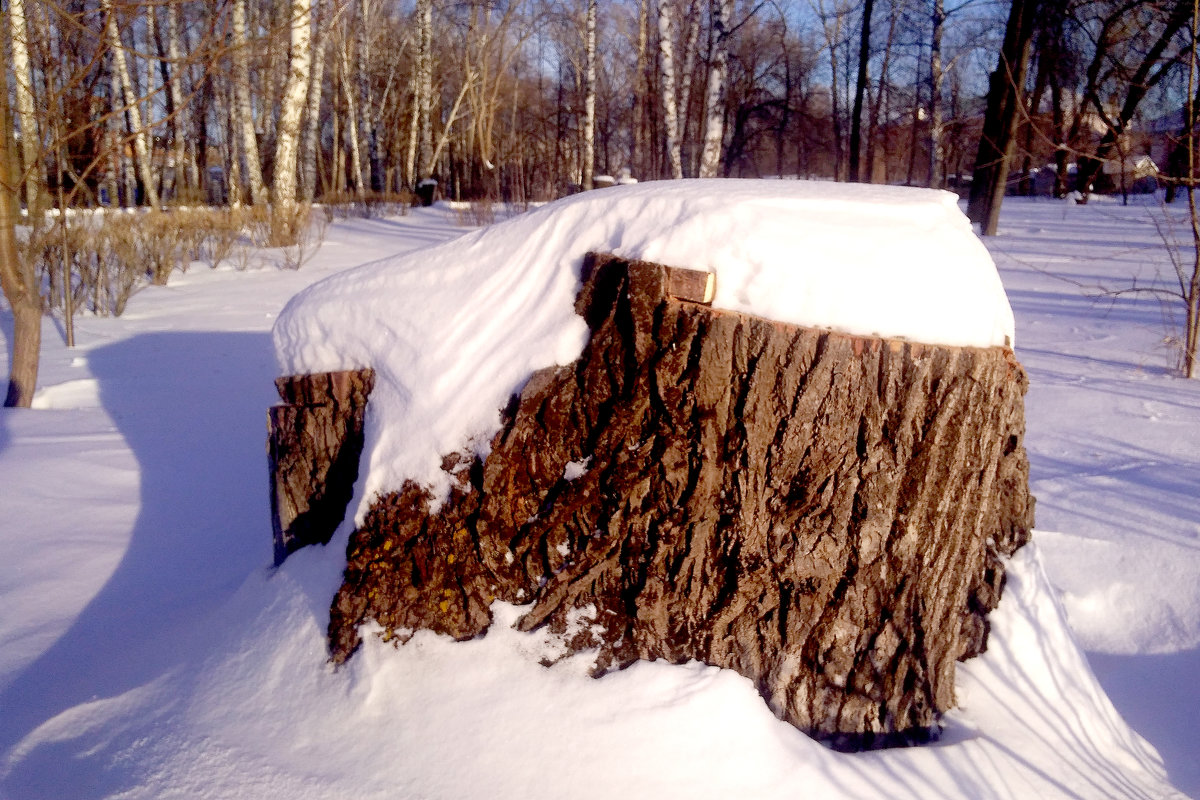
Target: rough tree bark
[(823, 513), (314, 443)]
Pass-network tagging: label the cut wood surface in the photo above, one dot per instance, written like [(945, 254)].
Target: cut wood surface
[(823, 513)]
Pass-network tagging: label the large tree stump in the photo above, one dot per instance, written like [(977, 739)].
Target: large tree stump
[(313, 446), (822, 513)]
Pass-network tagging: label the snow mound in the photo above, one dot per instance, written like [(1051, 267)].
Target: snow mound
[(454, 330)]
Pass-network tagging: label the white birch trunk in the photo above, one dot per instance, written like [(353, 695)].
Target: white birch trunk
[(687, 79), (714, 126), (637, 143), (666, 50), (589, 97), (425, 88), (351, 128), (414, 129), (287, 131), (133, 112), (243, 113), (370, 123), (312, 125), (31, 141), (185, 163)]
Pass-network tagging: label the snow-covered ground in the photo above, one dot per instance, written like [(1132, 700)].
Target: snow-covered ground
[(147, 650)]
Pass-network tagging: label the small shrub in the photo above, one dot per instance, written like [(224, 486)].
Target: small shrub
[(157, 241), (307, 234)]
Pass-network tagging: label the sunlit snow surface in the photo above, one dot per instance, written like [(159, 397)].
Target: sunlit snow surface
[(147, 650), (455, 330)]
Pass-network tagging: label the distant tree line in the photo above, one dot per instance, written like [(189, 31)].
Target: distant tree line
[(140, 102)]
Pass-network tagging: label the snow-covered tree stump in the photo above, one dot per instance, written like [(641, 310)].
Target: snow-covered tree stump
[(823, 513)]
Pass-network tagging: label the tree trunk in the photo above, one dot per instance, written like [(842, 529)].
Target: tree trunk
[(287, 133), (824, 514), (310, 141), (170, 70), (878, 103), (937, 148), (687, 77), (133, 113), (242, 112), (1004, 102), (666, 50), (351, 123), (589, 95), (366, 18), (315, 441), (425, 88), (860, 90), (638, 138), (31, 141), (714, 125), (17, 279)]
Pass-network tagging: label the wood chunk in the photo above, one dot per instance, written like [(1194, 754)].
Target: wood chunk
[(313, 450), (693, 285)]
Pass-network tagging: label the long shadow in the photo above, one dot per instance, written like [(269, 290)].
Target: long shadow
[(192, 408), (1135, 686)]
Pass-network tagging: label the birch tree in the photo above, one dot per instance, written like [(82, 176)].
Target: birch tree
[(243, 113), (714, 125), (132, 109), (424, 96), (312, 113), (287, 132), (31, 144), (666, 51), (589, 97), (16, 278)]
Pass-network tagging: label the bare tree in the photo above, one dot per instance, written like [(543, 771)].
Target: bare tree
[(860, 90), (1005, 99)]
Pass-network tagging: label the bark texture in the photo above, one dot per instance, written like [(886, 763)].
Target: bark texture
[(824, 514), (314, 444)]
